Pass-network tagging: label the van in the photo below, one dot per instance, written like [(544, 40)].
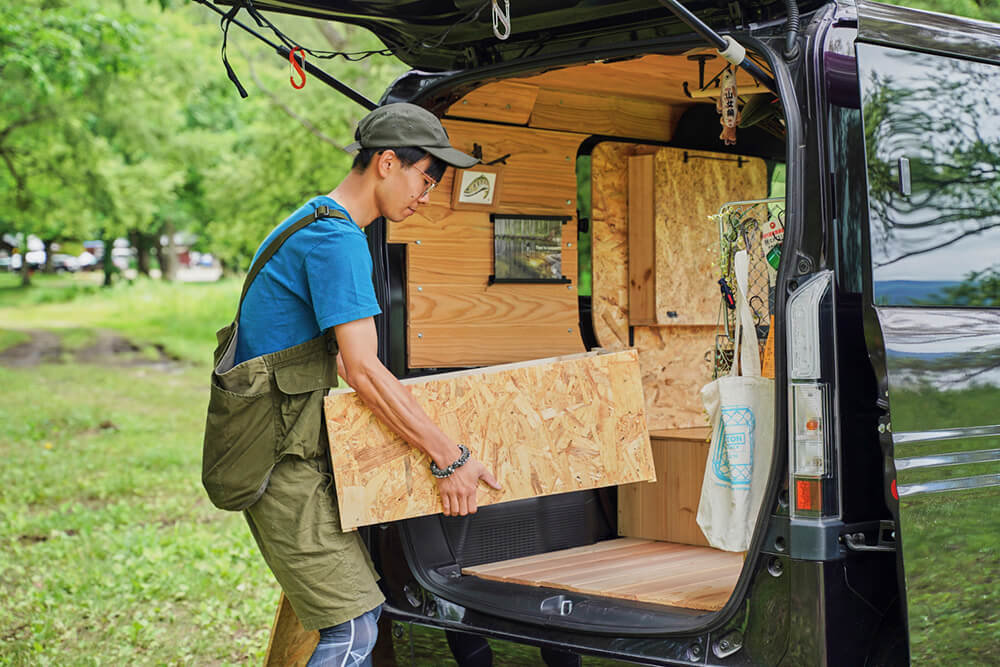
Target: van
[(868, 135)]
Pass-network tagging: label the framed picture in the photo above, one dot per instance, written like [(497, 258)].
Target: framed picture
[(527, 249), (477, 188)]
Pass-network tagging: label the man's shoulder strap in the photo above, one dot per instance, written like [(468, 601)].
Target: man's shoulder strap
[(320, 212)]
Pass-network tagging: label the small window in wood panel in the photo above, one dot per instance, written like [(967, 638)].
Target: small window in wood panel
[(527, 249)]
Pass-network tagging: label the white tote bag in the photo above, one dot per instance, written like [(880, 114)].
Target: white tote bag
[(741, 409)]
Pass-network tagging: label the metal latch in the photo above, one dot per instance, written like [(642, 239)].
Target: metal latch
[(557, 605), (885, 539)]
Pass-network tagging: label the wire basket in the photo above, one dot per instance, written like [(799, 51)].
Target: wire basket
[(742, 226)]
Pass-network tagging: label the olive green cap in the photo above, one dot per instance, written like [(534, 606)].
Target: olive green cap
[(401, 124)]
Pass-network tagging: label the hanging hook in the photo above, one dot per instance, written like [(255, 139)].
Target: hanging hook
[(501, 18), (298, 67)]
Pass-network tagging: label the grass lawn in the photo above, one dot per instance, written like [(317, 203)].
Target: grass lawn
[(110, 553)]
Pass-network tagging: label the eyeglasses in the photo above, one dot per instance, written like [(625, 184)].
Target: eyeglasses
[(431, 183)]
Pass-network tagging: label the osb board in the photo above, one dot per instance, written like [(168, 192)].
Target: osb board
[(611, 115), (654, 77), (676, 575), (676, 360), (666, 509), (502, 101), (544, 427), (687, 241), (676, 363), (290, 644)]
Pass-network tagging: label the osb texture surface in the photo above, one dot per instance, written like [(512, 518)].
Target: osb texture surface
[(687, 241), (542, 428), (455, 318), (675, 575), (676, 359)]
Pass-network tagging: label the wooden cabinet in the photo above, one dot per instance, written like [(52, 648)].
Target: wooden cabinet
[(666, 509)]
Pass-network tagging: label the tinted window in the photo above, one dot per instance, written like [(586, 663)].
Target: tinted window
[(939, 244)]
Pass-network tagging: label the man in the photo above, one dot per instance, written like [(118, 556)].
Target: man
[(318, 280)]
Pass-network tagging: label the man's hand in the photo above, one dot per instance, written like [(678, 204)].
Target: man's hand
[(458, 491)]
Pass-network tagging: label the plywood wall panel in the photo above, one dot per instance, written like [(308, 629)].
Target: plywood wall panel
[(690, 188), (674, 369), (641, 240), (616, 116), (609, 242), (448, 346), (501, 101), (540, 174), (542, 428), (458, 305)]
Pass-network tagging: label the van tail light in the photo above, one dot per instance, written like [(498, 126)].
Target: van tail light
[(812, 462)]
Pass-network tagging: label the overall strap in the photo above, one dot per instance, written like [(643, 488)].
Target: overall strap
[(320, 212)]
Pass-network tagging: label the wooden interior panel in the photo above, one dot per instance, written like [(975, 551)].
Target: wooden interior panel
[(676, 363), (677, 575), (649, 77), (539, 176), (609, 242), (641, 241), (667, 508), (542, 427), (447, 346), (615, 116), (691, 186), (501, 101), (455, 317)]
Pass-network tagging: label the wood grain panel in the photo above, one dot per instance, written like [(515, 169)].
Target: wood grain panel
[(447, 346), (507, 305), (641, 241), (654, 77), (501, 101), (540, 174), (691, 186), (676, 575), (666, 509), (290, 644), (616, 116), (542, 427)]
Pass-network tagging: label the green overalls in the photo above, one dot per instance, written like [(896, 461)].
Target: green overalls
[(267, 453)]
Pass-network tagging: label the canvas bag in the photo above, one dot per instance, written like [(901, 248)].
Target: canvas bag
[(740, 406), (251, 402)]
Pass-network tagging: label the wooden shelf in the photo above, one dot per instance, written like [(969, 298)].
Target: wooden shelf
[(677, 575)]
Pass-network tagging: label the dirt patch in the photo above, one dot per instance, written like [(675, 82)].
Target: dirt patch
[(108, 349)]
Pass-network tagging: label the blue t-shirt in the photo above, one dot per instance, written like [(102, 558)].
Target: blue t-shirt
[(319, 278)]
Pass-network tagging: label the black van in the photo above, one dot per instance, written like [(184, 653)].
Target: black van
[(872, 134)]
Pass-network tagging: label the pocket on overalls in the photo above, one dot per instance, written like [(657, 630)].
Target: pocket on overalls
[(239, 447), (301, 389)]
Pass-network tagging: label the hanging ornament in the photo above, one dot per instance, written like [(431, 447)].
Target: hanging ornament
[(729, 107)]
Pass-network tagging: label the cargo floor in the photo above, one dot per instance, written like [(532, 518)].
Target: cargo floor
[(678, 575)]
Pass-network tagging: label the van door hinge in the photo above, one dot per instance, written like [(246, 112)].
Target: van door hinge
[(885, 540)]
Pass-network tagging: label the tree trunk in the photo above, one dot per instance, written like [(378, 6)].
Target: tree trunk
[(168, 254), (108, 263), (25, 271), (140, 242), (47, 249)]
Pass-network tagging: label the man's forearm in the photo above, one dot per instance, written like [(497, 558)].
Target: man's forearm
[(393, 404)]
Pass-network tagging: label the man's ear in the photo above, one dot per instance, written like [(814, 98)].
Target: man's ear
[(385, 161)]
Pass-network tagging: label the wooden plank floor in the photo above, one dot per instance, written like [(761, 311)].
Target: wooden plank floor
[(678, 575)]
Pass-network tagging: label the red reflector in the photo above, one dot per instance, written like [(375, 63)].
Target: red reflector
[(892, 487), (807, 494)]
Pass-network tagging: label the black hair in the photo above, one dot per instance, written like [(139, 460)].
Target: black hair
[(408, 155)]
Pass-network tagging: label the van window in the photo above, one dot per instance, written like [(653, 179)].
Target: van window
[(932, 129)]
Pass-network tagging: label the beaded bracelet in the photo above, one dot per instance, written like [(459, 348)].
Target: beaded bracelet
[(447, 472)]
